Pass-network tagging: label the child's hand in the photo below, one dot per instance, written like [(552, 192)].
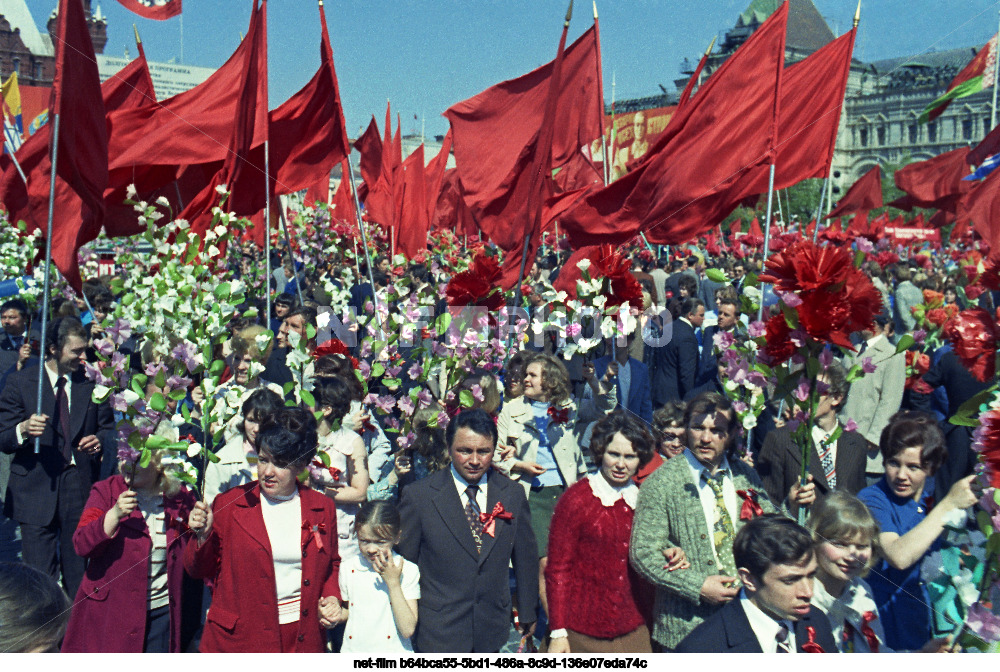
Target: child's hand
[(330, 613), (386, 568)]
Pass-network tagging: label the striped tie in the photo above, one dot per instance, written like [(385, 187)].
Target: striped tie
[(826, 459)]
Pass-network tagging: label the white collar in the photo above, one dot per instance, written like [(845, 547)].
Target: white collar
[(462, 484), (819, 434), (873, 340), (852, 603), (764, 627), (609, 494), (697, 467)]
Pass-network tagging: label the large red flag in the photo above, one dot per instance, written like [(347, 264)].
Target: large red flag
[(82, 162), (412, 237), (193, 127), (384, 200), (936, 182), (369, 145), (240, 172), (865, 194), (317, 193), (981, 206), (158, 10), (988, 146), (343, 204), (693, 81), (729, 128), (450, 211), (435, 175), (307, 132), (494, 129)]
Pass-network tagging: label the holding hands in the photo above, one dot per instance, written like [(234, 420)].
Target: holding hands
[(330, 613)]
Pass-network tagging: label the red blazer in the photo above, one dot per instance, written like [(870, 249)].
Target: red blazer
[(237, 556), (590, 585), (109, 613)]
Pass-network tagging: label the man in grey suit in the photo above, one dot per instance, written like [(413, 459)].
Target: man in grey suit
[(464, 526), (875, 397), (696, 501)]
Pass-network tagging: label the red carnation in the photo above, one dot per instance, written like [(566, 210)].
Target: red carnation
[(611, 264), (334, 347), (986, 442), (973, 334), (779, 347), (475, 287), (805, 266)]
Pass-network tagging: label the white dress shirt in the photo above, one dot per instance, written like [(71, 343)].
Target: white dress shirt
[(53, 379), (765, 627), (707, 495), (461, 484)]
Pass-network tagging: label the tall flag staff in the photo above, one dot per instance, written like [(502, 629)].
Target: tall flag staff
[(600, 102), (996, 81), (267, 182), (361, 228), (288, 244)]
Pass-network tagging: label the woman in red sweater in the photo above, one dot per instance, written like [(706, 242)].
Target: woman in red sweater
[(597, 604)]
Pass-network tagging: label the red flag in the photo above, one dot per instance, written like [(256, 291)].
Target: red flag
[(193, 127), (317, 193), (865, 194), (383, 202), (307, 132), (989, 146), (450, 210), (241, 172), (343, 209), (82, 167), (981, 206), (412, 236), (936, 182), (158, 10), (689, 89), (494, 129), (755, 230), (435, 175), (369, 145), (737, 108)]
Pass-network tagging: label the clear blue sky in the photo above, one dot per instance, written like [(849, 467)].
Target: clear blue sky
[(425, 55)]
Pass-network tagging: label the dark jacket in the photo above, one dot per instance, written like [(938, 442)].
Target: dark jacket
[(640, 401), (675, 365), (780, 464), (465, 602), (728, 631)]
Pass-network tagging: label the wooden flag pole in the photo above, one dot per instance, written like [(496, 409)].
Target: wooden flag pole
[(291, 258), (48, 271), (364, 238), (267, 228)]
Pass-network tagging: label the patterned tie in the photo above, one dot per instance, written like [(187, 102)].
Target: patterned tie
[(472, 515), (62, 409), (781, 638), (723, 533), (826, 459)]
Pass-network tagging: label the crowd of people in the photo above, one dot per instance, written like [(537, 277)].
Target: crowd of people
[(608, 502)]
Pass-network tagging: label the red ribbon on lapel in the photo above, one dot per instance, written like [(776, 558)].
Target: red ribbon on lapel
[(866, 630), (750, 509), (315, 531), (177, 523), (559, 415), (489, 520), (811, 646)]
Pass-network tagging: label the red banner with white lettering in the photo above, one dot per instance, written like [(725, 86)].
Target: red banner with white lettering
[(158, 10)]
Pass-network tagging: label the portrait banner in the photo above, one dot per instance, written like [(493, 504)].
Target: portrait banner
[(158, 10)]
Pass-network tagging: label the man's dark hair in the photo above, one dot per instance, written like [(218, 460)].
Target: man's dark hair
[(60, 330), (691, 305), (308, 314), (708, 404), (381, 278), (478, 420), (771, 540), (260, 406), (285, 299), (686, 281), (15, 304), (676, 265), (289, 437)]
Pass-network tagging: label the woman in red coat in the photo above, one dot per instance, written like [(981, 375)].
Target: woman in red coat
[(134, 539), (270, 547), (597, 604)]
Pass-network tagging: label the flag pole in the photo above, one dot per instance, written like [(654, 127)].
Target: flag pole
[(600, 99), (819, 208), (364, 238), (291, 258), (48, 271), (996, 80), (767, 235), (267, 228)]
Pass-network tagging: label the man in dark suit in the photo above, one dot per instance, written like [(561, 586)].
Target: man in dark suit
[(837, 457), (47, 490), (463, 526), (776, 564), (675, 365), (728, 312), (15, 340)]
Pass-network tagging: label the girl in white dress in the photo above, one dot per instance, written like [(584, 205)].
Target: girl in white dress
[(339, 470)]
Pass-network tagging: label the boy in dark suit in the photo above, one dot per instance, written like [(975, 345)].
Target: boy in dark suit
[(463, 526), (776, 564)]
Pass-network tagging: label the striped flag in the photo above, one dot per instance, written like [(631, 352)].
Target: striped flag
[(974, 77), (988, 165), (13, 127)]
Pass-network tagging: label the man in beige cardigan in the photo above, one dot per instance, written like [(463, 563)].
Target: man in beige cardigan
[(678, 507)]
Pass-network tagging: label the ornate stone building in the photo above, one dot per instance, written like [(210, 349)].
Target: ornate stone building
[(884, 98), (28, 52)]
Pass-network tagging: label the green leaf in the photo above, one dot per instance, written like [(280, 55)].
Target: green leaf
[(158, 403), (857, 371), (218, 366), (178, 394), (307, 398), (156, 442), (223, 291), (968, 413), (323, 457), (906, 342), (287, 388), (310, 331), (442, 322), (465, 399), (716, 275), (212, 457), (161, 379), (145, 457), (859, 258), (137, 388), (186, 413), (391, 383)]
